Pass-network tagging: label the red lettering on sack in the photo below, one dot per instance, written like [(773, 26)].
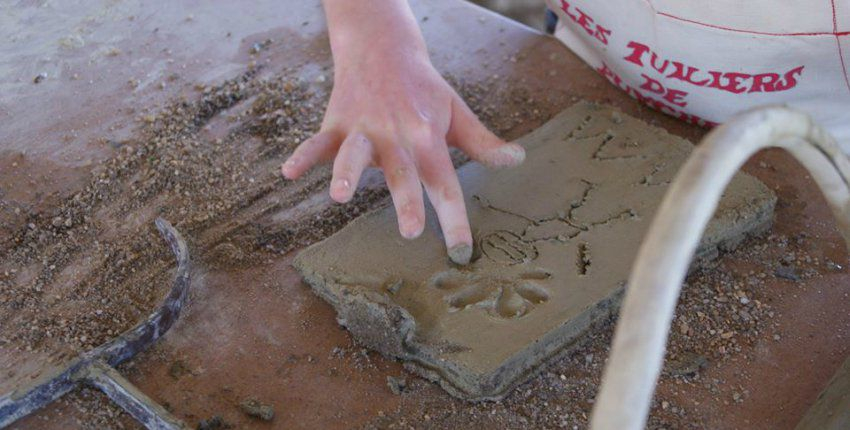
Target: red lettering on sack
[(673, 96), (654, 60), (602, 34), (565, 6), (686, 73), (676, 97), (790, 81), (610, 75), (585, 21), (732, 82), (764, 82), (638, 49), (653, 86)]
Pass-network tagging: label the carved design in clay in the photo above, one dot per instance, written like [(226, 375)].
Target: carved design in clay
[(585, 122), (500, 296), (507, 247), (659, 176), (617, 147), (511, 248)]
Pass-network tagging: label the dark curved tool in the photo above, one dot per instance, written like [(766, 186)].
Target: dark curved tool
[(96, 367)]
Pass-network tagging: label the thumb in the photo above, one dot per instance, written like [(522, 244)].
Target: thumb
[(467, 133)]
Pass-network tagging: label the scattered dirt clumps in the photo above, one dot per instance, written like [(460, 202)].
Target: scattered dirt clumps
[(92, 266), (723, 311), (256, 409)]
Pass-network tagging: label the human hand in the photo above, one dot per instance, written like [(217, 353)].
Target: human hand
[(390, 108)]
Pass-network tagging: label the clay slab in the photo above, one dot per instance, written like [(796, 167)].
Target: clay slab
[(554, 242)]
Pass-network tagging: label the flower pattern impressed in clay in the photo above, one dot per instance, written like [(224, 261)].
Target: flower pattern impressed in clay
[(501, 297)]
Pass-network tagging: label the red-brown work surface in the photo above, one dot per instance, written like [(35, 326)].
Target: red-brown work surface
[(258, 331)]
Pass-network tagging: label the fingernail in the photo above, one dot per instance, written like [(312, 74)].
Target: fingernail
[(514, 154), (460, 254), (505, 156), (287, 166), (342, 184), (410, 227), (341, 190)]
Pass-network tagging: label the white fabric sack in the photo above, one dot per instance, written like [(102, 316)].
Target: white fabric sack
[(704, 61)]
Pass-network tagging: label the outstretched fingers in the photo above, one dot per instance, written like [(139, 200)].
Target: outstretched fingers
[(441, 183), (321, 147), (406, 191), (467, 133), (355, 154)]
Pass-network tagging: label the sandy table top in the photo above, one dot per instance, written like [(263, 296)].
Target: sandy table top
[(252, 328)]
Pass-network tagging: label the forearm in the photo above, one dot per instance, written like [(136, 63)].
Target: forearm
[(364, 30)]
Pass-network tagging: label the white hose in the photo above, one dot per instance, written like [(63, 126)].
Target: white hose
[(639, 342)]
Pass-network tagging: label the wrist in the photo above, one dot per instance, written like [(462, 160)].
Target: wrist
[(368, 30)]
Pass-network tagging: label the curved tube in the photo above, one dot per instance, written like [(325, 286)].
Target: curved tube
[(655, 281), (88, 367)]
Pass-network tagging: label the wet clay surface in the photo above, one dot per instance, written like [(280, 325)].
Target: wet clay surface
[(252, 330), (547, 264)]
